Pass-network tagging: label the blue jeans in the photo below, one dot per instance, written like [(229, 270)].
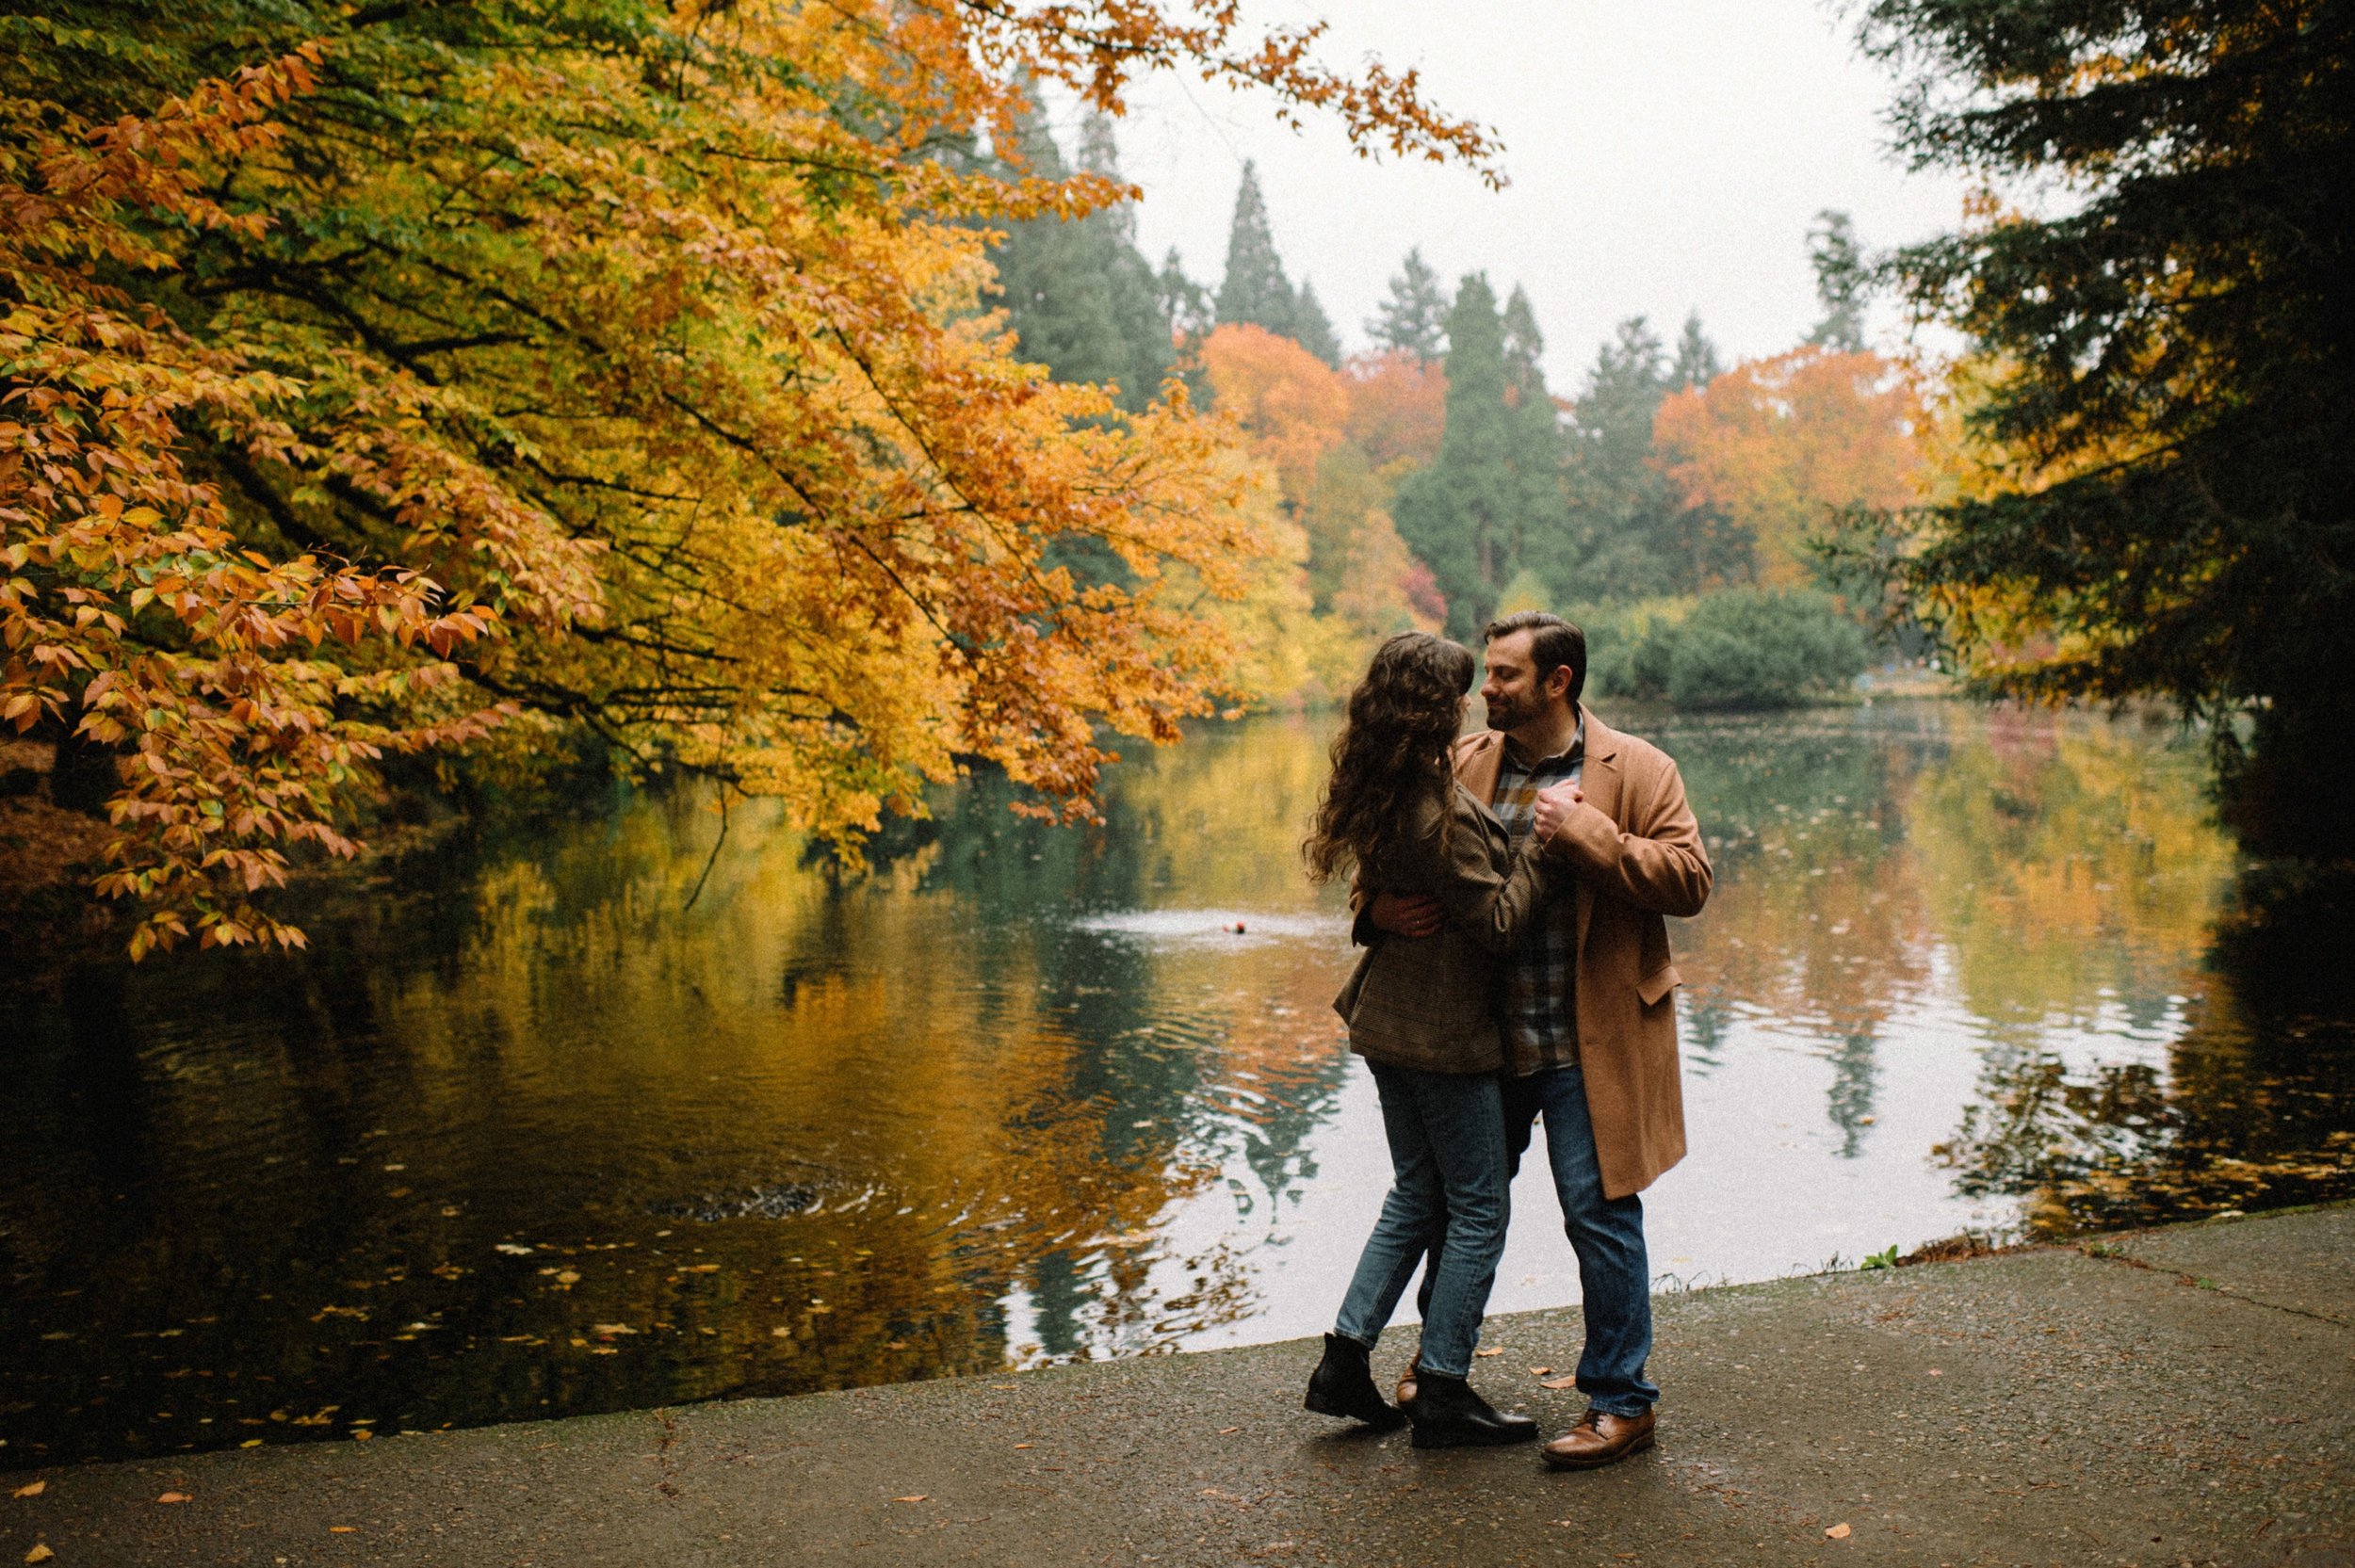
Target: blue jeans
[(1446, 1132), (1607, 1234)]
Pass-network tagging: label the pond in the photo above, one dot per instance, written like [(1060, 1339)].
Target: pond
[(525, 1135)]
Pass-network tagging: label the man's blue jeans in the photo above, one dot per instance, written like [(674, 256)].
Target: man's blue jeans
[(1607, 1234), (1446, 1133)]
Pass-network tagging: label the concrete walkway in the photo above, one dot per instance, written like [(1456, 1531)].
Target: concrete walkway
[(2177, 1395)]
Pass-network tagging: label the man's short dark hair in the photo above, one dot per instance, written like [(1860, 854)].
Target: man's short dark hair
[(1552, 643)]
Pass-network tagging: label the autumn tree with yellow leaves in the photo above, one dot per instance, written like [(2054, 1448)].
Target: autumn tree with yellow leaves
[(378, 379)]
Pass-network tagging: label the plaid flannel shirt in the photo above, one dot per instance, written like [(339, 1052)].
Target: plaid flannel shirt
[(1541, 974)]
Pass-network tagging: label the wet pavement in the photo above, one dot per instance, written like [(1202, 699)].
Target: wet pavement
[(2184, 1395)]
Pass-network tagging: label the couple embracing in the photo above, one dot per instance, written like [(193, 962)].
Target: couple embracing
[(1510, 890)]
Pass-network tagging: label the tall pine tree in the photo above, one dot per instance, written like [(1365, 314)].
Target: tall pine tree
[(1492, 505), (1312, 329), (1255, 289), (1696, 362), (1413, 320), (1542, 541), (2170, 366), (1843, 280), (1621, 507), (1185, 304), (1082, 300)]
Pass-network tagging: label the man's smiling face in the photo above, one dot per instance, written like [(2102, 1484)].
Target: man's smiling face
[(1513, 693)]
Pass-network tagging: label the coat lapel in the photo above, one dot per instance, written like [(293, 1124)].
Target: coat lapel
[(1478, 760), (1599, 780)]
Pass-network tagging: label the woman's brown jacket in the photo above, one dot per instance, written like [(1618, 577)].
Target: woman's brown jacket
[(1432, 1002)]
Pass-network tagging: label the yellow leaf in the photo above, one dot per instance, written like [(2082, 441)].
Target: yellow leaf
[(173, 1497), (1839, 1531), (39, 1553), (31, 1489)]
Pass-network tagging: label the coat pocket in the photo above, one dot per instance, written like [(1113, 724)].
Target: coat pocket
[(1652, 987)]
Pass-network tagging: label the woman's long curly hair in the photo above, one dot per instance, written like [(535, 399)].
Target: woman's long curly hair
[(1392, 753)]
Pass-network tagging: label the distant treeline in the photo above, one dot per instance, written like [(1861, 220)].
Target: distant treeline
[(1437, 481)]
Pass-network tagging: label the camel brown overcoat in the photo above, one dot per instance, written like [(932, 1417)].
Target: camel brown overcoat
[(1636, 856)]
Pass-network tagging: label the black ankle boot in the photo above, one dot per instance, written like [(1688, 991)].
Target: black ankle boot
[(1342, 1384), (1448, 1414)]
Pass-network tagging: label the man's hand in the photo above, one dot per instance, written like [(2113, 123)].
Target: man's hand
[(1553, 808), (1404, 914)]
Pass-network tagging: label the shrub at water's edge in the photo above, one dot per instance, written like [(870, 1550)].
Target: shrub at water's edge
[(1742, 648)]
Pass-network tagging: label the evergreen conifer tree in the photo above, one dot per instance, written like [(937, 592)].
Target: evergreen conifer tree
[(2169, 361), (1100, 153), (1312, 329), (1459, 515), (1413, 319), (1622, 510), (1696, 362), (1185, 304), (1843, 280), (1542, 543), (1255, 289), (1080, 300)]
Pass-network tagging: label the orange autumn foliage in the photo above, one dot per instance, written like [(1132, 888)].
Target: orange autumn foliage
[(236, 724), (1397, 410), (1293, 406), (1781, 445), (641, 387), (1337, 443)]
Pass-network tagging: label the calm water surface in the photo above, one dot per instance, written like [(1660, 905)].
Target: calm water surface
[(524, 1136)]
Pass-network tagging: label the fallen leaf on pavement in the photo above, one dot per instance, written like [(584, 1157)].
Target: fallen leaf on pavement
[(1541, 1371), (1024, 1445), (341, 1529), (918, 1498), (1570, 1381), (1224, 1431), (1839, 1531), (30, 1489), (39, 1553), (173, 1497), (1500, 1350)]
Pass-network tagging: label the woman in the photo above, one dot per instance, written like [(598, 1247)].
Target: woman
[(1421, 1011)]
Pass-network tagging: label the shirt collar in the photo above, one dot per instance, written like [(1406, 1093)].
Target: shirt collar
[(1575, 751)]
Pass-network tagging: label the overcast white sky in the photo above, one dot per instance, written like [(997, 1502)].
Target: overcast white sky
[(1664, 156)]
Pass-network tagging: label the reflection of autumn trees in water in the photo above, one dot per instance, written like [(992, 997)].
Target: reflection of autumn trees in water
[(2068, 872), (2079, 880), (818, 1132), (2252, 1109), (811, 1134), (1818, 917)]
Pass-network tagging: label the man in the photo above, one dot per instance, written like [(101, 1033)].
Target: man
[(1588, 997)]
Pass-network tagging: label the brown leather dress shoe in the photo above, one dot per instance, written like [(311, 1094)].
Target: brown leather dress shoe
[(1405, 1395), (1600, 1439)]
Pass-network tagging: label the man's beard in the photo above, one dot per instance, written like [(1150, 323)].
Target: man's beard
[(1503, 715)]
